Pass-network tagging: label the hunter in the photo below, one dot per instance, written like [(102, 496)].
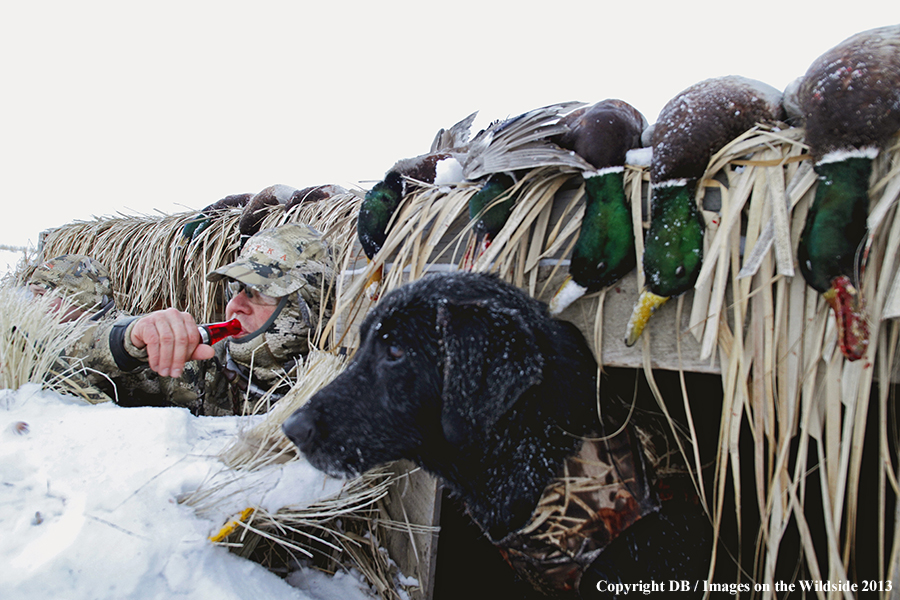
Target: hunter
[(82, 285), (280, 287)]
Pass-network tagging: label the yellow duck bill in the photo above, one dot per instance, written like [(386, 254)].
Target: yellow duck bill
[(647, 304), (373, 283)]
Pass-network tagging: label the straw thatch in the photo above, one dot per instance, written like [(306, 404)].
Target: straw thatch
[(151, 268), (33, 344)]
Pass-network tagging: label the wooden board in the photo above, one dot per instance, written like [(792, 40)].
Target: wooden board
[(416, 500)]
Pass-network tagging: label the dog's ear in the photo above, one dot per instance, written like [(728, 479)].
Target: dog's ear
[(490, 357)]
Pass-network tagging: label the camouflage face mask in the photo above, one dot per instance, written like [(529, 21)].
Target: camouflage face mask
[(285, 335)]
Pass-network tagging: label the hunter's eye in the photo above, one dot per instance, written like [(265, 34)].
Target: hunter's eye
[(395, 352), (679, 271)]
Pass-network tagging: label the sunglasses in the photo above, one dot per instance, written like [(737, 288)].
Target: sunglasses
[(236, 287)]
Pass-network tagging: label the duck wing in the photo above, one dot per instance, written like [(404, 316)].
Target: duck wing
[(522, 142)]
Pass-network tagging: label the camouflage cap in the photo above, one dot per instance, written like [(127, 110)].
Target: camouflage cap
[(84, 281), (279, 261)]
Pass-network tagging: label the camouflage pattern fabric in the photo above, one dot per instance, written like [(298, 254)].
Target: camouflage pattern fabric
[(600, 492), (292, 262), (83, 280), (75, 382), (282, 260), (212, 387)]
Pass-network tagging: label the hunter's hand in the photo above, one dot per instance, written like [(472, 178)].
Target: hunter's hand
[(171, 338)]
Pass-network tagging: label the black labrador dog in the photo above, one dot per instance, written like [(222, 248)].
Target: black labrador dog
[(469, 377)]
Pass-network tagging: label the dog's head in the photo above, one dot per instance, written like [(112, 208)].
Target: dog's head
[(441, 362)]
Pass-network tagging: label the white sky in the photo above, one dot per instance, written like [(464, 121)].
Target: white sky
[(112, 106)]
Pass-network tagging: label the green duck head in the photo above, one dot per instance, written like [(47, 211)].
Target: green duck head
[(673, 246), (828, 252), (376, 211), (835, 226), (375, 215), (193, 228), (490, 216), (203, 220), (604, 251), (673, 250), (602, 134)]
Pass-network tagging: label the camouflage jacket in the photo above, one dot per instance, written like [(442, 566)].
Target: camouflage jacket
[(108, 360)]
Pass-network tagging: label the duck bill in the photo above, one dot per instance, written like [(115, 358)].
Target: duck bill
[(849, 314), (232, 526), (373, 283), (567, 293), (647, 304)]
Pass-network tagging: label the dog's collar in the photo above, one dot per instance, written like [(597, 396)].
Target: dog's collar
[(600, 492)]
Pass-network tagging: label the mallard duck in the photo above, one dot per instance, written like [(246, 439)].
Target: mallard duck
[(381, 202), (601, 134), (691, 127), (849, 99), (202, 221), (503, 147), (254, 212), (376, 211), (499, 156), (490, 216), (253, 205), (439, 165)]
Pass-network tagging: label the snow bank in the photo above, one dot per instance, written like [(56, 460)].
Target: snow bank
[(90, 511)]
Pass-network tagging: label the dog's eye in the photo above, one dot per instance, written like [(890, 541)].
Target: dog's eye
[(395, 352)]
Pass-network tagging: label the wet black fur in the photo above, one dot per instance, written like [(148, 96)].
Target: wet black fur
[(468, 377)]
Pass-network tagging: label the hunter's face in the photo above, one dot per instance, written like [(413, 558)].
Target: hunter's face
[(67, 312), (252, 311)]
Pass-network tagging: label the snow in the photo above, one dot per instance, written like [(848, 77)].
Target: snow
[(448, 171), (90, 498), (671, 183), (639, 157)]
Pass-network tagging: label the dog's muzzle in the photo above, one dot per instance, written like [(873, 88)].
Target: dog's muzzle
[(304, 429), (300, 428)]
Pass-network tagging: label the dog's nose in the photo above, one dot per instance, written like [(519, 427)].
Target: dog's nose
[(299, 428)]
